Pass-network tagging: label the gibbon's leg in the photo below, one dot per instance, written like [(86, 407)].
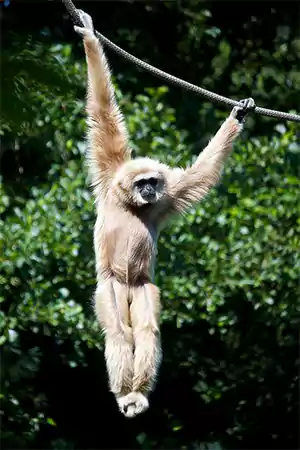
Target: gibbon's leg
[(145, 312), (112, 311), (108, 137)]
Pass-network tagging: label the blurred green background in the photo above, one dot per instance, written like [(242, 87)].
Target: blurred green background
[(228, 271)]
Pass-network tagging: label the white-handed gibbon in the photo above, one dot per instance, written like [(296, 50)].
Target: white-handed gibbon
[(133, 200)]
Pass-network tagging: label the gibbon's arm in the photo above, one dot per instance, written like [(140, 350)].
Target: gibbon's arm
[(108, 139), (192, 184)]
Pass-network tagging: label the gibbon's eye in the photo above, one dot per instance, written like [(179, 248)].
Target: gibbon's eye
[(149, 181), (152, 181), (141, 183)]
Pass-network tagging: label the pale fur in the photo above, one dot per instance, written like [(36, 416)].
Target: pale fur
[(127, 303)]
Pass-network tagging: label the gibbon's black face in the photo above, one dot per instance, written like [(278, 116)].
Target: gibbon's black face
[(148, 188)]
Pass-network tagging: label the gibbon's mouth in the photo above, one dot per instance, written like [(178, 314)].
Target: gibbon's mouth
[(149, 197), (148, 193)]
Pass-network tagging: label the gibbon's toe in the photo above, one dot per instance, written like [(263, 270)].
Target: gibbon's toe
[(133, 404)]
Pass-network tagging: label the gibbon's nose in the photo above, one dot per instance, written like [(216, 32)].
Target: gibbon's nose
[(148, 192)]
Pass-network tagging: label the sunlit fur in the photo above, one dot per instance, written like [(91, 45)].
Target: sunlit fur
[(127, 303), (134, 170)]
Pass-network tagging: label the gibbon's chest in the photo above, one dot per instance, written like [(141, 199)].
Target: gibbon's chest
[(127, 244), (130, 235)]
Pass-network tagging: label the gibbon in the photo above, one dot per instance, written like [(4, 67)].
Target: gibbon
[(133, 199)]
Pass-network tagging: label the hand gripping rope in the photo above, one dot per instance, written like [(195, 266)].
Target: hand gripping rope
[(177, 81)]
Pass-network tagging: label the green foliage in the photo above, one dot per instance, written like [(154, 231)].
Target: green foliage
[(31, 71), (228, 272)]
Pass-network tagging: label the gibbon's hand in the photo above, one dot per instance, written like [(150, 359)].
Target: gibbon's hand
[(87, 31), (240, 113)]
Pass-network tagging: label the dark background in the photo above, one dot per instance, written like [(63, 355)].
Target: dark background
[(230, 374)]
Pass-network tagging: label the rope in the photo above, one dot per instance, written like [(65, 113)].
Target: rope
[(177, 81)]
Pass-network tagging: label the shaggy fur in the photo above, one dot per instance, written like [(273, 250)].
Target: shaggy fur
[(130, 212)]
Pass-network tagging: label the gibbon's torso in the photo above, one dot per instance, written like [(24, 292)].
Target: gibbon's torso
[(126, 244)]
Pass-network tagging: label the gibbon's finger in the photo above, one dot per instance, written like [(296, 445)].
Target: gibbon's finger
[(83, 32), (79, 30), (86, 20), (248, 104), (240, 112)]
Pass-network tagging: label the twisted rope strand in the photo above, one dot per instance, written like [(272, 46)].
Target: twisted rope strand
[(174, 80)]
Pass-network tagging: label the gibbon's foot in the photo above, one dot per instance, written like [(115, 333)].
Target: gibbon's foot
[(240, 113), (133, 404), (87, 31)]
